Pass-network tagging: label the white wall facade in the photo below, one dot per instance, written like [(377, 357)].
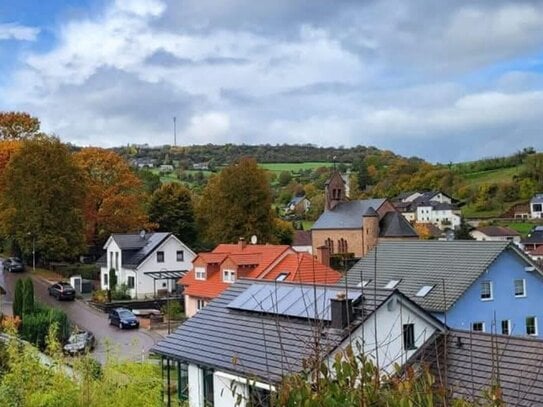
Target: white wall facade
[(536, 210), (381, 336), (427, 214), (144, 286), (478, 235), (227, 388)]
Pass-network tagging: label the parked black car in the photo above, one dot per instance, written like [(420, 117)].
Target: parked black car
[(62, 291), (80, 342), (123, 318), (13, 264)]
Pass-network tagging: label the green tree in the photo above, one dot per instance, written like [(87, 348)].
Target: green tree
[(42, 198), (237, 203), (18, 299), (534, 168), (151, 181), (171, 208), (284, 178), (283, 231), (463, 232), (28, 296)]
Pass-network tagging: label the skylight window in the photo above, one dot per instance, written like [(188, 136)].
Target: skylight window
[(363, 283), (392, 284), (282, 277), (424, 290)]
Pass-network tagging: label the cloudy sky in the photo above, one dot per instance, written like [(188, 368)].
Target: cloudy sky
[(445, 81)]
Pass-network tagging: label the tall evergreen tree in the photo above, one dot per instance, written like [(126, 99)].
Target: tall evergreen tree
[(18, 298), (28, 296)]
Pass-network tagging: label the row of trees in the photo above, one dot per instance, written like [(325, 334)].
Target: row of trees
[(64, 203)]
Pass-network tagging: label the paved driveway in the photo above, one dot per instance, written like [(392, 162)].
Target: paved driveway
[(128, 344)]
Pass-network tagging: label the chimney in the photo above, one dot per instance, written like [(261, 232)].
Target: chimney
[(341, 309), (323, 255), (242, 243)]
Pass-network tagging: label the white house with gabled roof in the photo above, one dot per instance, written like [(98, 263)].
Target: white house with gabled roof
[(148, 263)]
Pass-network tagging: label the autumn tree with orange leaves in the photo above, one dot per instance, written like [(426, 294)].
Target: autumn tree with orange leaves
[(115, 197), (18, 126)]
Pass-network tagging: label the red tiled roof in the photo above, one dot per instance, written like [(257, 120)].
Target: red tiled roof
[(538, 251), (300, 266), (303, 267), (212, 258)]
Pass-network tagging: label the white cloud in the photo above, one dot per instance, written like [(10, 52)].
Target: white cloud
[(211, 127), (363, 73), (12, 31)]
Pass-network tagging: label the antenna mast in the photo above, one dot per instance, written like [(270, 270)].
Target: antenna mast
[(174, 131)]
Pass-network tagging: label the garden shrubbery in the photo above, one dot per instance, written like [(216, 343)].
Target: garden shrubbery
[(36, 317)]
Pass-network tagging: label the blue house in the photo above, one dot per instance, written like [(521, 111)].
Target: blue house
[(471, 285)]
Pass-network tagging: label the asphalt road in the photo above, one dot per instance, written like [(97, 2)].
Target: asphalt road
[(127, 344)]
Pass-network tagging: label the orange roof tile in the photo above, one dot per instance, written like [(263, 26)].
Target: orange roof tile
[(210, 257), (303, 267), (270, 261)]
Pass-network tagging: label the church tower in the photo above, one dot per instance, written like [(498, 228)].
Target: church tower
[(334, 191)]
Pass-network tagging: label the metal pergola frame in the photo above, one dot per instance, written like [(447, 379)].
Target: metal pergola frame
[(165, 275)]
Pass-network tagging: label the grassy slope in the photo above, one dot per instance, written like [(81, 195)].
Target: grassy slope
[(496, 176), (293, 167)]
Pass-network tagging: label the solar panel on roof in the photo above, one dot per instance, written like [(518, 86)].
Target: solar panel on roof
[(289, 300)]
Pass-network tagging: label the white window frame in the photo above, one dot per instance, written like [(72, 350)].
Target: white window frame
[(491, 291), (282, 276), (128, 285), (482, 325), (392, 284), (228, 276), (523, 287), (363, 283), (508, 326), (182, 253), (536, 333), (163, 256), (200, 303), (424, 290), (200, 273)]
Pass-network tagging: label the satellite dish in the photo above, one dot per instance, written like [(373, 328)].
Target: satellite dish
[(254, 239)]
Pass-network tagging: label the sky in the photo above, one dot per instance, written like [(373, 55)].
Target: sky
[(445, 81)]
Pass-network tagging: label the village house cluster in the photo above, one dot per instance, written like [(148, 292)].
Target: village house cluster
[(255, 309)]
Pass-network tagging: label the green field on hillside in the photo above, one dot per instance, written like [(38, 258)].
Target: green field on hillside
[(294, 167), (496, 176)]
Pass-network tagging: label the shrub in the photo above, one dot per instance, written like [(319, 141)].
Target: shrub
[(35, 326), (112, 279), (121, 293), (99, 296), (86, 271), (174, 310), (28, 296), (18, 299)]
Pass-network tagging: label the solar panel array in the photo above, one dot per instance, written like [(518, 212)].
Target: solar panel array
[(289, 300)]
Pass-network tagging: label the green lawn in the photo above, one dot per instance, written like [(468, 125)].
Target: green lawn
[(496, 176), (294, 167)]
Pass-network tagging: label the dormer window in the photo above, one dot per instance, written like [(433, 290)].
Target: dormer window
[(228, 276), (200, 273), (363, 283)]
